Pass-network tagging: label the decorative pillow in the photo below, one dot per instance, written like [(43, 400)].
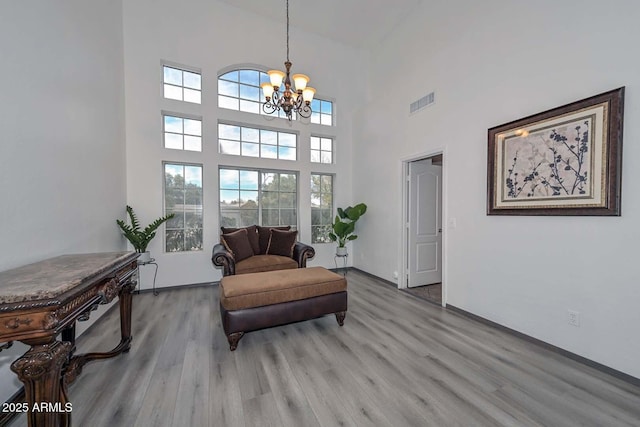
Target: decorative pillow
[(282, 242), (264, 234), (238, 244), (252, 233)]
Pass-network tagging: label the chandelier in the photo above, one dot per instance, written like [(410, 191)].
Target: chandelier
[(288, 100)]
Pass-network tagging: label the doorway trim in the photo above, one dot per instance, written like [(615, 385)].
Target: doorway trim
[(404, 186)]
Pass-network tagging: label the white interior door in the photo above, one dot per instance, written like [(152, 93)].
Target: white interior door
[(425, 223)]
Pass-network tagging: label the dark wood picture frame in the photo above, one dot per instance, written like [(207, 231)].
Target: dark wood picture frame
[(563, 161)]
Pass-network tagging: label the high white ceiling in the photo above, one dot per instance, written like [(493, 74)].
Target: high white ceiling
[(358, 23)]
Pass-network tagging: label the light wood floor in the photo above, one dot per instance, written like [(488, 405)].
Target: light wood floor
[(398, 361)]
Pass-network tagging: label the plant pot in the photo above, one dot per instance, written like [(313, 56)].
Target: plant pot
[(341, 251), (144, 257)]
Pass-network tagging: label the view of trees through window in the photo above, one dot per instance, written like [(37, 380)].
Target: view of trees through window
[(321, 207), (183, 197), (253, 196)]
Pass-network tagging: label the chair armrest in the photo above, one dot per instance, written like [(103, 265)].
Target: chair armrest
[(301, 252), (221, 257)]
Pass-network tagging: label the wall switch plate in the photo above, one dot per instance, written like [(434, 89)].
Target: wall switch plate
[(573, 318)]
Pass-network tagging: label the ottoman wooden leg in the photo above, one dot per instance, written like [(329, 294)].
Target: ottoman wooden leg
[(340, 317), (233, 339)]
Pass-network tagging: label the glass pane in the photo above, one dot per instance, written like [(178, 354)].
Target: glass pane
[(288, 217), (193, 127), (286, 153), (172, 76), (231, 75), (326, 144), (270, 217), (287, 200), (269, 152), (228, 88), (269, 181), (248, 200), (251, 77), (326, 107), (250, 135), (315, 117), (173, 175), (193, 143), (193, 176), (229, 178), (287, 139), (264, 78), (193, 239), (250, 92), (173, 92), (174, 240), (269, 199), (192, 80), (177, 221), (315, 184), (229, 103), (193, 199), (327, 217), (172, 140), (315, 156), (325, 119), (229, 199), (315, 143), (315, 216), (173, 198), (269, 137), (250, 149), (193, 219), (229, 147), (288, 182), (326, 183), (191, 95), (249, 106), (248, 217), (230, 219), (326, 157), (315, 105), (173, 124), (229, 132), (249, 180)]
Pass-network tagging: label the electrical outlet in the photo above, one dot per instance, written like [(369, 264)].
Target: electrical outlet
[(573, 318), (395, 274)]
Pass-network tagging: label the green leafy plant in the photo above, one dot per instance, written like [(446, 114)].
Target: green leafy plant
[(140, 238), (344, 225)]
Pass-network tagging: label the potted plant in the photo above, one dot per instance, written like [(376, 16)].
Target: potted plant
[(138, 237), (344, 226)]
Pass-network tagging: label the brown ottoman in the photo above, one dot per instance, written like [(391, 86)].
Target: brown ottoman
[(260, 300)]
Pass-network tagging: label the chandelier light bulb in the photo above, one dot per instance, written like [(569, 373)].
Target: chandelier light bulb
[(301, 81), (307, 94), (276, 77), (267, 89)]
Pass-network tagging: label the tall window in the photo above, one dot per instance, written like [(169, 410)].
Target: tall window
[(321, 207), (252, 142), (182, 133), (321, 150), (322, 112), (254, 196), (183, 197), (240, 90), (181, 84)]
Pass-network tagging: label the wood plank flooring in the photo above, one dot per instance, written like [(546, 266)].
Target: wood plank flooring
[(398, 361)]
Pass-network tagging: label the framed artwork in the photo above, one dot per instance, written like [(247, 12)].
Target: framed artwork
[(564, 161)]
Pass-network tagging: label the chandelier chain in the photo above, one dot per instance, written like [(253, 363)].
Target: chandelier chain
[(287, 30)]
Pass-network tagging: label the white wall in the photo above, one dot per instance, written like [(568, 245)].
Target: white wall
[(62, 156), (212, 36), (489, 63)]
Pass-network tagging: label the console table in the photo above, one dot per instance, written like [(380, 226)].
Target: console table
[(40, 301)]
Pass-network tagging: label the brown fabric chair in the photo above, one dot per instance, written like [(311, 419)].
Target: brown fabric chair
[(222, 257)]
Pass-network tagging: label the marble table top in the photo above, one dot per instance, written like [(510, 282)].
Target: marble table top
[(55, 276)]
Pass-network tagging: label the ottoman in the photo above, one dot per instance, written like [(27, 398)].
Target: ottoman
[(261, 300)]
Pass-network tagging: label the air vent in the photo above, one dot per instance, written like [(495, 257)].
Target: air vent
[(423, 102)]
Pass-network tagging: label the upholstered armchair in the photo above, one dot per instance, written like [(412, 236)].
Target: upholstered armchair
[(256, 249)]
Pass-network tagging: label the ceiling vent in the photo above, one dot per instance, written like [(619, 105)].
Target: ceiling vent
[(423, 102)]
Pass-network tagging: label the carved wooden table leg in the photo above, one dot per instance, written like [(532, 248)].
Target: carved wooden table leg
[(40, 370)]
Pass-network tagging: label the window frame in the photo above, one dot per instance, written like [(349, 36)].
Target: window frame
[(332, 208), (259, 143), (183, 69), (182, 116), (260, 171), (320, 113), (164, 205), (320, 150)]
